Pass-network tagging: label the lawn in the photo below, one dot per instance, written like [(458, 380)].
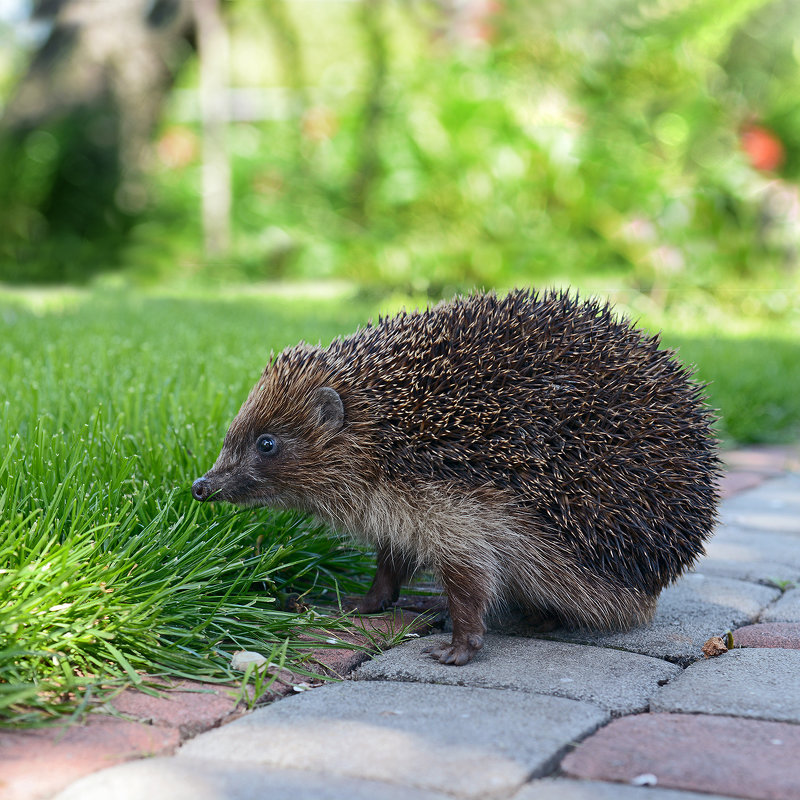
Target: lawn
[(111, 406), (112, 403)]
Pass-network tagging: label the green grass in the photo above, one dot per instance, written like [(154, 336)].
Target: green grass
[(751, 363), (110, 407), (755, 382), (112, 404)]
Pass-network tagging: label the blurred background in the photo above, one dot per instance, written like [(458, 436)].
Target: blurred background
[(414, 146)]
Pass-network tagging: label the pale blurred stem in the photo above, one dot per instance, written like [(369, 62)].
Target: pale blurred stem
[(212, 45), (290, 55), (368, 166)]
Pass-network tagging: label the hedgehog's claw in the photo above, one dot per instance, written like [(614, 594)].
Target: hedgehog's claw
[(456, 653)]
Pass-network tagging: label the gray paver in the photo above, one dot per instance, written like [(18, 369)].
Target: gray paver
[(562, 789), (466, 742), (758, 683), (769, 573), (190, 779), (751, 546), (786, 609), (689, 612), (619, 682), (780, 493), (773, 506)]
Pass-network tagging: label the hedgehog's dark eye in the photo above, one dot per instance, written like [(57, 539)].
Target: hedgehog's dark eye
[(266, 444)]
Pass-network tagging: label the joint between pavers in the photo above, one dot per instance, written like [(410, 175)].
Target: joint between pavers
[(559, 757)]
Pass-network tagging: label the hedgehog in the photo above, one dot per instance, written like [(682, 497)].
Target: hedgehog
[(533, 450)]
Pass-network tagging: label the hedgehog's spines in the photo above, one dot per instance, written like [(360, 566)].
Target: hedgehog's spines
[(551, 402)]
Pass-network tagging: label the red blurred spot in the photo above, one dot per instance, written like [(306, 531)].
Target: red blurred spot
[(177, 147), (763, 148), (474, 23)]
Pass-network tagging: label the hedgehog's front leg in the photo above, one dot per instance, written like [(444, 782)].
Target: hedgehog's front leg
[(394, 569), (468, 590)]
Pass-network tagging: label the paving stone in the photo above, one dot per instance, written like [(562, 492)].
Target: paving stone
[(772, 634), (159, 723), (689, 612), (462, 741), (763, 520), (756, 683), (190, 779), (757, 547), (732, 483), (36, 763), (619, 682), (393, 621), (786, 609), (725, 755), (340, 662), (778, 493), (774, 506), (189, 706), (564, 789), (768, 573), (751, 555), (769, 460)]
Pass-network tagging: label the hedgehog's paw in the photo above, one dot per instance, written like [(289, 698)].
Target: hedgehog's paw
[(367, 605), (456, 653)]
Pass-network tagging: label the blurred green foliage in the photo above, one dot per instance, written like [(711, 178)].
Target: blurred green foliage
[(517, 143), (55, 186)]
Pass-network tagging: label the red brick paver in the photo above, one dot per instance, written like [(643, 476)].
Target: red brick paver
[(36, 764), (748, 467), (339, 662), (189, 707), (767, 460), (769, 634), (732, 483), (718, 755)]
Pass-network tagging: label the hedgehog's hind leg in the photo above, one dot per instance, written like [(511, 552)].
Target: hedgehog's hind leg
[(394, 569)]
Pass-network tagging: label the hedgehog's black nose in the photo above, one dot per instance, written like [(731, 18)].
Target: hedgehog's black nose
[(201, 489)]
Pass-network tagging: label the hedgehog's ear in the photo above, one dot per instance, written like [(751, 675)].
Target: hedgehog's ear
[(330, 407)]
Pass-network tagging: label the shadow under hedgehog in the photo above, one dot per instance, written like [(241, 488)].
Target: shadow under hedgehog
[(532, 449)]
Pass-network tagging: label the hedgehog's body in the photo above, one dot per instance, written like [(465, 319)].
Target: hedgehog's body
[(528, 449)]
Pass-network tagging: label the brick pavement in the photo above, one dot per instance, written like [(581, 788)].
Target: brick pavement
[(36, 764), (635, 716)]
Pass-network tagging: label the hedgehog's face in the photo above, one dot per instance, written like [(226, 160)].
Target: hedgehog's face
[(278, 453)]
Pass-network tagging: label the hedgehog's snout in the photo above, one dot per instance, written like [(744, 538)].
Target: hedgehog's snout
[(201, 490), (227, 484)]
